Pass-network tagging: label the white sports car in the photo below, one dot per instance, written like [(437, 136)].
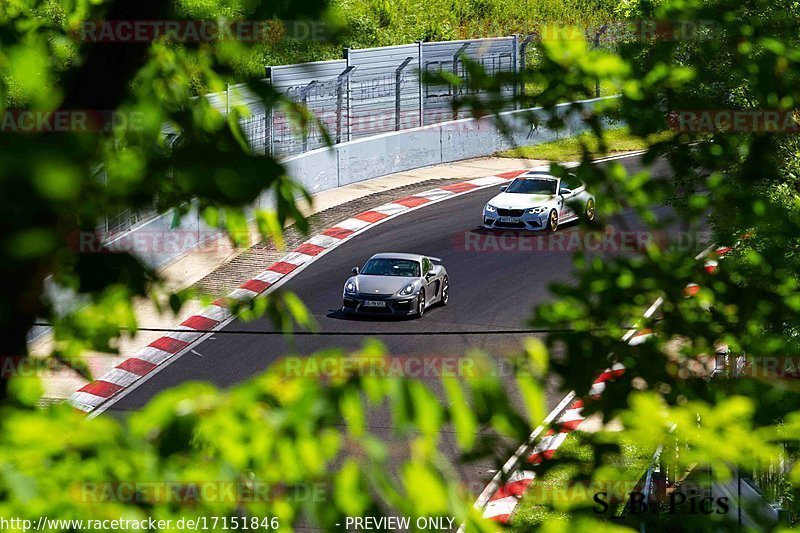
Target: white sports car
[(539, 201)]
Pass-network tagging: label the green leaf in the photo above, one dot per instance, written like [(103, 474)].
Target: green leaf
[(461, 414)]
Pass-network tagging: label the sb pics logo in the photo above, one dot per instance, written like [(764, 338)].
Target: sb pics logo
[(690, 503)]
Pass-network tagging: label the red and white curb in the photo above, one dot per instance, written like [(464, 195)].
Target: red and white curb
[(501, 496), (134, 370), (499, 499)]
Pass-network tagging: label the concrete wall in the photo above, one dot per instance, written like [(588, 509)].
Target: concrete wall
[(383, 154), (445, 142), (351, 162)]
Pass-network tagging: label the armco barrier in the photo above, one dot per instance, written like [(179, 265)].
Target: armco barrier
[(387, 153)]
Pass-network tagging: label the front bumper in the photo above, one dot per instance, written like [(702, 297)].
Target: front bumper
[(538, 221), (392, 305)]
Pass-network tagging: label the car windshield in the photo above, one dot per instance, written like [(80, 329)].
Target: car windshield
[(391, 267), (533, 186)]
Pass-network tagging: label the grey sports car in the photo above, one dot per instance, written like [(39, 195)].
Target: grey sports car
[(396, 284)]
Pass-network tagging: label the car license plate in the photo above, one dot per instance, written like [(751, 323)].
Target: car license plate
[(374, 303), (511, 220)]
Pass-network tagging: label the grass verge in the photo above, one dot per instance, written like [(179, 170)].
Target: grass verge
[(551, 495), (571, 148)]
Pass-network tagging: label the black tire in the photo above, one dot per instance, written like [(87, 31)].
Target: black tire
[(445, 292), (421, 303), (552, 221), (590, 211)]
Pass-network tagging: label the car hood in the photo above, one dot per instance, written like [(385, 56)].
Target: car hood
[(381, 284), (512, 200)]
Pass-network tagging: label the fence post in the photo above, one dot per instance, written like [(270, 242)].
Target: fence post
[(420, 49), (304, 100), (456, 59), (398, 73), (305, 126), (339, 92), (341, 80), (523, 60), (269, 117), (600, 32), (227, 99), (348, 101), (515, 66)]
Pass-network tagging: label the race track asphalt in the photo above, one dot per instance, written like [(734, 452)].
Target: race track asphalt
[(491, 289)]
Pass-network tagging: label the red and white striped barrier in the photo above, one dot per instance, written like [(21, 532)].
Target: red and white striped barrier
[(138, 367), (500, 498), (503, 496)]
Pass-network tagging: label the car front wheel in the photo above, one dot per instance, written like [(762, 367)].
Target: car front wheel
[(552, 221), (421, 303), (445, 291), (590, 210)]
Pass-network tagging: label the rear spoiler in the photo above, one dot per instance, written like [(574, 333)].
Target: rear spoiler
[(435, 259)]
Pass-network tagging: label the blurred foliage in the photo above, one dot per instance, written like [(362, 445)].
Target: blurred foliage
[(365, 24), (616, 140), (60, 185), (739, 185), (292, 433), (286, 444)]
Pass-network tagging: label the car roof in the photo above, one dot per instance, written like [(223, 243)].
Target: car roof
[(547, 175), (398, 255), (538, 174)]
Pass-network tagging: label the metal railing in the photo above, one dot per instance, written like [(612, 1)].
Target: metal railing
[(377, 90), (367, 92)]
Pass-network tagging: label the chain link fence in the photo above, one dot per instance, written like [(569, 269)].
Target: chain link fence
[(368, 92), (377, 90)]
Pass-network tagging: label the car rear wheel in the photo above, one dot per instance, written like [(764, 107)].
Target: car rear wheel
[(552, 221), (421, 303), (590, 210), (445, 291)]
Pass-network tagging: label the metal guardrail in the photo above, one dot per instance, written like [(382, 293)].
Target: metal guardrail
[(377, 90), (372, 91), (368, 92), (379, 155)]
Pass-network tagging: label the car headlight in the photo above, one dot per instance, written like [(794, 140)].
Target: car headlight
[(490, 208), (350, 287), (407, 290), (537, 210)]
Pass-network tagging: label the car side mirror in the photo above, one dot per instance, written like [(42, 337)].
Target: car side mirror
[(503, 188), (564, 192), (355, 271)]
